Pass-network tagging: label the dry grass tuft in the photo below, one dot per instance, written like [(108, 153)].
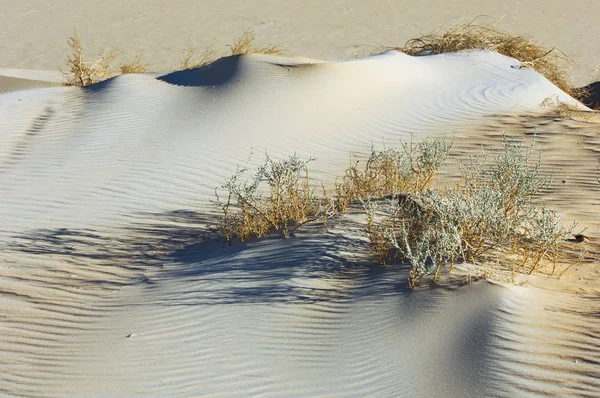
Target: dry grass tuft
[(289, 201), (552, 63), (563, 110), (192, 61), (245, 45), (135, 66), (406, 170)]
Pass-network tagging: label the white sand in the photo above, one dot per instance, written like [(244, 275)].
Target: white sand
[(107, 288)]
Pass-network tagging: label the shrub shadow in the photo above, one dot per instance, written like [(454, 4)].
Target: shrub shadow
[(179, 248)]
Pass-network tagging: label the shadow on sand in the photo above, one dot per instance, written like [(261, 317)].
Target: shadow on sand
[(223, 71), (179, 248)]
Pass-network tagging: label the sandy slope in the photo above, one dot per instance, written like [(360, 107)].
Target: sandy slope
[(108, 286)]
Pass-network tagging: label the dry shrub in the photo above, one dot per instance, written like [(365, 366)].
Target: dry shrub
[(245, 45), (289, 201), (192, 61), (135, 66), (391, 171), (492, 210), (552, 63), (84, 73), (379, 227), (563, 110), (396, 173)]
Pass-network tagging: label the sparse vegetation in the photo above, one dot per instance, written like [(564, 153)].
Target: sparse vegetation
[(84, 73), (135, 66), (491, 210), (280, 197), (553, 63), (192, 61), (245, 44), (407, 169), (490, 213), (557, 106), (80, 72), (561, 109)]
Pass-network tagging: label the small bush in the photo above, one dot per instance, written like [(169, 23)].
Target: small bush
[(84, 73), (278, 198), (490, 210), (407, 169)]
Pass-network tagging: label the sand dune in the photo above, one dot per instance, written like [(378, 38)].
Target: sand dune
[(110, 287)]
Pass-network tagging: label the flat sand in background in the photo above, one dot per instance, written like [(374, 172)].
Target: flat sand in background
[(34, 32)]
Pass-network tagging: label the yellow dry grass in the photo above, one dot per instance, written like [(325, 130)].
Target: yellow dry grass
[(245, 44), (563, 110), (193, 59), (553, 63), (291, 201), (83, 73), (135, 66)]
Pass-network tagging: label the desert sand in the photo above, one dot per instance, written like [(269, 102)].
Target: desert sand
[(112, 285), (34, 36)]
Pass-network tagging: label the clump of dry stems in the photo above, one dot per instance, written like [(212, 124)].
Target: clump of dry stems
[(550, 62), (81, 72), (561, 109), (280, 197), (134, 66), (245, 44), (84, 73), (192, 59), (407, 169)]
